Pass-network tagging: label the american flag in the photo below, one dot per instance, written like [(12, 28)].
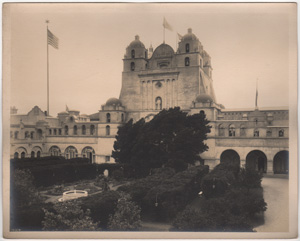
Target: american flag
[(52, 40)]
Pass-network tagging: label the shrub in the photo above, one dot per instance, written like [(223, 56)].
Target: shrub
[(219, 179), (127, 215), (173, 194), (118, 175), (101, 205), (68, 216), (139, 188), (214, 216)]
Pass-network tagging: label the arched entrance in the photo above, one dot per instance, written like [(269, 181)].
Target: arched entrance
[(71, 152), (230, 156), (256, 160), (54, 151), (281, 163), (88, 152)]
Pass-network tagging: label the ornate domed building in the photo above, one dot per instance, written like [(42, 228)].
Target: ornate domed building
[(152, 81)]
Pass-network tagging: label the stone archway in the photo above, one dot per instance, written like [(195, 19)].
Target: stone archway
[(257, 160), (230, 156), (281, 162)]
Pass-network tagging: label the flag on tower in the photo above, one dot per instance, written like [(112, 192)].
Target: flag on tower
[(167, 25), (52, 39)]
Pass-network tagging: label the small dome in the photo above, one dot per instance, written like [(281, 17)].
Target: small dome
[(163, 50), (114, 102), (136, 43), (203, 98), (189, 36), (63, 113)]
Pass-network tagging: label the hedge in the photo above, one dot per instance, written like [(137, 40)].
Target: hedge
[(169, 197), (140, 187), (48, 171)]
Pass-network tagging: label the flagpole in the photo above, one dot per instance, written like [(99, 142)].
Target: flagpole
[(164, 34), (47, 21)]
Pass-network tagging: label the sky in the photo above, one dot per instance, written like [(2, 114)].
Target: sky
[(249, 45)]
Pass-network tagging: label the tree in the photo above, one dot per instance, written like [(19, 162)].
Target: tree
[(68, 216), (23, 192), (127, 215), (170, 138)]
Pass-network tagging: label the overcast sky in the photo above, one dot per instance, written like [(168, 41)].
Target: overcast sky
[(245, 41)]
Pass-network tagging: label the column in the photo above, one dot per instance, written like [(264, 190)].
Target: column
[(270, 167), (243, 163)]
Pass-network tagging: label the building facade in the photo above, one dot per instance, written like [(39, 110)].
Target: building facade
[(152, 81)]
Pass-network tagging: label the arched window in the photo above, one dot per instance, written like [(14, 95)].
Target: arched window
[(55, 132), (187, 61), (59, 132), (158, 103), (50, 132), (26, 134), (75, 130), (66, 130), (242, 131), (132, 66), (187, 48), (132, 54), (39, 134), (231, 130), (108, 117), (32, 134), (92, 130), (16, 155), (122, 117), (71, 152), (107, 158), (16, 134), (221, 130), (23, 154), (107, 130), (32, 154), (281, 133), (83, 130), (38, 154), (269, 133), (256, 133), (202, 112)]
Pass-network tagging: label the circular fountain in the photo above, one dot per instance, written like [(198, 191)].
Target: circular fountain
[(73, 194)]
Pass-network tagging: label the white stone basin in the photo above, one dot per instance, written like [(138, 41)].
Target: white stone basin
[(73, 194)]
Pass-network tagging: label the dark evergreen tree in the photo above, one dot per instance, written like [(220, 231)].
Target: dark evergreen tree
[(171, 138)]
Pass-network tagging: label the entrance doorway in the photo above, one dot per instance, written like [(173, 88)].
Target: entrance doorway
[(281, 163), (257, 160)]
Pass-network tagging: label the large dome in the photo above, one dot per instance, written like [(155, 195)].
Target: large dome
[(189, 36), (136, 43), (114, 102), (203, 98), (163, 50)]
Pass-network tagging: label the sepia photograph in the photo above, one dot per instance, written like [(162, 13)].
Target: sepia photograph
[(150, 120)]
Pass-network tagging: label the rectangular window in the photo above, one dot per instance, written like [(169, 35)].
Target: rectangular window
[(107, 159)]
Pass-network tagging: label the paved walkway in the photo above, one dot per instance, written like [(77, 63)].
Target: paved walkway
[(276, 195)]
